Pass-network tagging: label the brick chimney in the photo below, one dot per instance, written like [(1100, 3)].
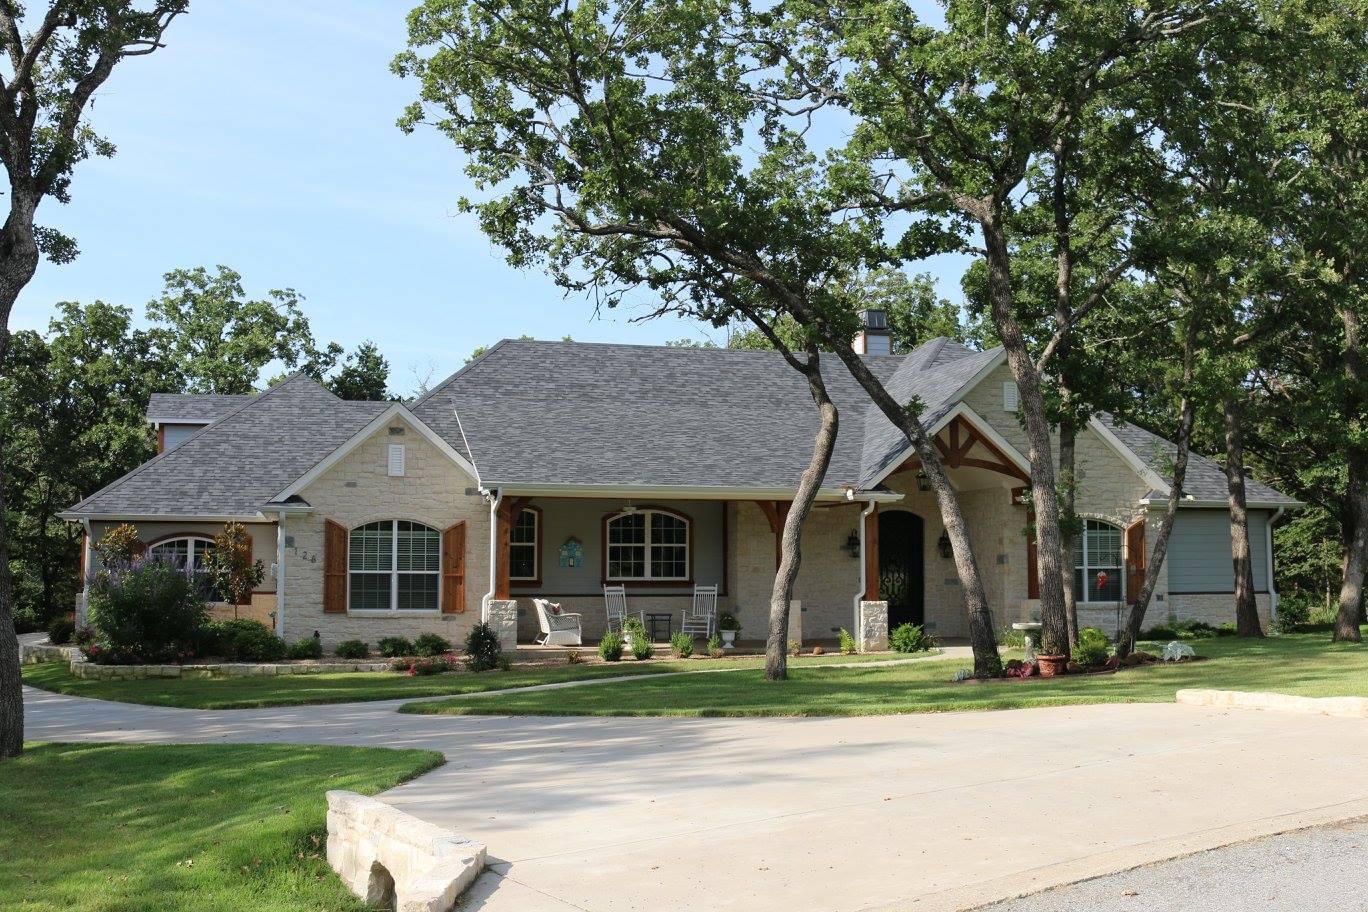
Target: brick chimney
[(873, 337)]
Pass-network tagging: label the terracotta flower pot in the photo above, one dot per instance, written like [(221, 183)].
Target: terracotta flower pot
[(1050, 665)]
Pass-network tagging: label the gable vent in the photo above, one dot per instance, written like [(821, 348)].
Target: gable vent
[(396, 460), (1011, 397)]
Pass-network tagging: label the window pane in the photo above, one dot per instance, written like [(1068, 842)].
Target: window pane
[(176, 552), (626, 561), (522, 561), (525, 528), (669, 562), (372, 546), (418, 592), (667, 529), (370, 591), (1111, 592), (420, 548), (628, 529), (203, 548), (1104, 544)]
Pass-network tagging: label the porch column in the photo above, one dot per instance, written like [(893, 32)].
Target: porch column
[(871, 555), (776, 511), (509, 508)]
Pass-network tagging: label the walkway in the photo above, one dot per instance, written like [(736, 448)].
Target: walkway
[(920, 812)]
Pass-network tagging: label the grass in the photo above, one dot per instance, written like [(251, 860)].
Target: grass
[(1304, 664), (351, 687), (155, 828)]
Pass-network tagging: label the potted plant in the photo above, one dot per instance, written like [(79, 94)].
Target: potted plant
[(633, 631), (730, 628), (1051, 660)]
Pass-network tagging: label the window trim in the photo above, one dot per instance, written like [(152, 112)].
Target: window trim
[(189, 537), (393, 573), (536, 578), (648, 580), (1089, 568)]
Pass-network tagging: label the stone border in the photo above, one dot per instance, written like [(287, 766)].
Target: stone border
[(37, 653), (92, 671), (1346, 707), (394, 860)]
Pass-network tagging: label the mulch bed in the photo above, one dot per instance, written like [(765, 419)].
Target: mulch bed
[(1081, 673)]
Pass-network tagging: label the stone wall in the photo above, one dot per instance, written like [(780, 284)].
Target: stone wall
[(357, 490), (1210, 608), (84, 669)]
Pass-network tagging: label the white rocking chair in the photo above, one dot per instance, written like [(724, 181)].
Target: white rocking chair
[(615, 603), (561, 629), (701, 617)]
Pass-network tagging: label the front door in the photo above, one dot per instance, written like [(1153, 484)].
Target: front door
[(901, 581)]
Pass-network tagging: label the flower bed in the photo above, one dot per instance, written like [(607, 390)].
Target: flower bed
[(89, 670)]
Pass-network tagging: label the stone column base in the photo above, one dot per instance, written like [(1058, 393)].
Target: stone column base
[(873, 633), (795, 622), (503, 617)]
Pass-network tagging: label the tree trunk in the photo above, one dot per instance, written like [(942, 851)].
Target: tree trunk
[(1136, 618), (791, 552), (1356, 495), (1068, 493), (1054, 633), (1246, 609), (983, 639)]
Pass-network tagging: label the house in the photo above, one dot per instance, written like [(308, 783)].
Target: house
[(554, 468)]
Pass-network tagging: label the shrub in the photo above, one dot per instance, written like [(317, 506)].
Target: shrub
[(305, 648), (147, 607), (430, 644), (60, 631), (681, 646), (243, 640), (118, 546), (909, 638), (795, 648), (427, 665), (847, 642), (634, 630), (818, 650), (352, 649), (231, 569), (574, 657), (393, 647), (610, 647), (727, 621), (483, 651), (1092, 649), (1012, 639), (715, 647), (641, 648), (27, 619)]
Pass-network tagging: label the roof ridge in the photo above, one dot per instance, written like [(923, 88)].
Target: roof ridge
[(461, 370), (155, 460)]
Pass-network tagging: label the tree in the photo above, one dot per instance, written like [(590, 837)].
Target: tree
[(49, 74), (364, 375), (616, 179), (231, 568), (220, 340)]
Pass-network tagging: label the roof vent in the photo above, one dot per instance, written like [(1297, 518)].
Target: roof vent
[(396, 460)]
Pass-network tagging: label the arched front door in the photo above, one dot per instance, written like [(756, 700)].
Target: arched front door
[(901, 580)]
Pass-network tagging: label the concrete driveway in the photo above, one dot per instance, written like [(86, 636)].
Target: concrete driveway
[(919, 812)]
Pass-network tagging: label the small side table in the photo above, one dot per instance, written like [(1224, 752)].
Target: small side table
[(659, 625)]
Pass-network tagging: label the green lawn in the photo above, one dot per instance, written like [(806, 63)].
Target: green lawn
[(294, 690), (1305, 664), (213, 828)]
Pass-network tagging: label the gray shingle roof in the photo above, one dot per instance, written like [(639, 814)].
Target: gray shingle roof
[(242, 460), (1205, 479), (192, 407)]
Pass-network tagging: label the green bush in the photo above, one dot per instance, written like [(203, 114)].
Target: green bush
[(483, 652), (242, 640), (1187, 630), (909, 638), (352, 649), (727, 621), (1009, 638), (715, 647), (148, 610), (641, 648), (393, 647), (305, 648), (60, 631), (847, 642), (1093, 648), (430, 644), (681, 645), (610, 647)]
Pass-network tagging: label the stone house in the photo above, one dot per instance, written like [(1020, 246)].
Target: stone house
[(554, 469)]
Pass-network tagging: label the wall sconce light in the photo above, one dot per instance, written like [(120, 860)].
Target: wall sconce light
[(852, 545), (943, 545), (923, 483)]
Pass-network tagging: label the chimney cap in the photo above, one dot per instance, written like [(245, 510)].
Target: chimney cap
[(875, 318)]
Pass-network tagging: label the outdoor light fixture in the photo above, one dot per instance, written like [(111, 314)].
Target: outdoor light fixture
[(923, 483), (852, 544), (943, 544)]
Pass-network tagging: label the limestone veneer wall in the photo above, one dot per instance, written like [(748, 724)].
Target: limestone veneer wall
[(357, 490)]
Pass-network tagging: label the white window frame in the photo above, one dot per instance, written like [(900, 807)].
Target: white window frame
[(190, 540), (647, 512), (1089, 570), (394, 572), (535, 545)]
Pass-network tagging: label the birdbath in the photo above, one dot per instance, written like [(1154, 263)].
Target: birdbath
[(1030, 627)]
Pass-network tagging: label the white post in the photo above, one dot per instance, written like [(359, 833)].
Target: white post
[(280, 575)]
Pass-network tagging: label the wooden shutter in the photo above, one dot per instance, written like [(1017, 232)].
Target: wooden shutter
[(334, 567), (1032, 568), (1136, 559), (453, 569)]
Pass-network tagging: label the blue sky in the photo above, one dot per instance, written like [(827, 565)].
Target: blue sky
[(262, 137)]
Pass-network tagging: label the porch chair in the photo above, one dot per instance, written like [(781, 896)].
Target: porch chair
[(701, 617), (558, 628), (615, 603)]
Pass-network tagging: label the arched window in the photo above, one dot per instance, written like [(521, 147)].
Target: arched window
[(394, 565), (1097, 550), (648, 545), (190, 551), (524, 546)]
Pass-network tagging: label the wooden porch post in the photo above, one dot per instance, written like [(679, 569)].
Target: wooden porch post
[(776, 511), (508, 512), (871, 555)]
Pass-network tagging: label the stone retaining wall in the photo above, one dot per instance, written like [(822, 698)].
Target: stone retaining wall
[(90, 670), (393, 860), (35, 653)]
